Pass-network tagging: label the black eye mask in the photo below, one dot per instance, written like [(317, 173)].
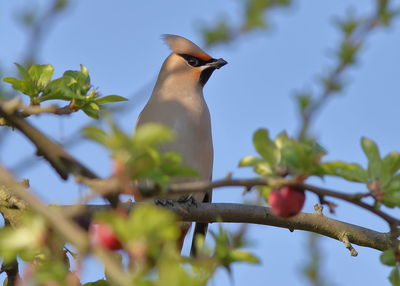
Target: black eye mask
[(195, 62)]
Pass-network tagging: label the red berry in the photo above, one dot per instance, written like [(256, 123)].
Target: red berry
[(286, 201), (102, 234)]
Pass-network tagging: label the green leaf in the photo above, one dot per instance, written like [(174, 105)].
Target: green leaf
[(388, 257), (394, 276), (41, 75), (264, 191), (255, 14), (260, 166), (347, 52), (92, 110), (171, 165), (249, 161), (95, 134), (152, 134), (303, 100), (78, 81), (374, 159), (160, 225), (391, 200), (390, 165), (25, 240), (23, 72), (349, 171), (220, 33), (394, 185), (264, 169), (110, 98), (265, 147), (20, 85), (245, 256), (84, 71)]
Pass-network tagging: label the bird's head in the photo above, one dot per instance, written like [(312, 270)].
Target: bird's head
[(188, 61)]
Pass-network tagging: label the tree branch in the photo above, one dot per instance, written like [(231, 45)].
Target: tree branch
[(204, 186), (61, 161), (64, 163), (233, 213), (240, 213)]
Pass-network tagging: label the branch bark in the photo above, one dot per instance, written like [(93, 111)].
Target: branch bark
[(240, 213), (222, 212)]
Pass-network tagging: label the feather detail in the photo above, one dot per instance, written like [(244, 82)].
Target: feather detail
[(181, 45)]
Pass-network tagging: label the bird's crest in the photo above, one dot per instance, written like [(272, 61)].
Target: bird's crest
[(181, 45)]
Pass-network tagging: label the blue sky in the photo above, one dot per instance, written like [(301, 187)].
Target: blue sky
[(119, 42)]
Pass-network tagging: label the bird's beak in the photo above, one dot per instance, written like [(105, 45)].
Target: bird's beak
[(218, 63)]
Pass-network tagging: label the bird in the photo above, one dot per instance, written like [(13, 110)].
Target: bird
[(177, 101)]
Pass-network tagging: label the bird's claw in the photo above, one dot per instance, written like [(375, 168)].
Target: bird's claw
[(165, 202), (182, 202), (187, 200)]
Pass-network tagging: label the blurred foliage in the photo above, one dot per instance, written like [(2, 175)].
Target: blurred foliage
[(228, 248), (139, 155), (73, 86), (32, 242), (25, 241), (255, 17), (284, 156), (312, 268), (300, 159), (382, 175), (391, 258), (149, 235)]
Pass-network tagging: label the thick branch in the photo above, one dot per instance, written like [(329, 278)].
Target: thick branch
[(202, 186), (236, 213), (240, 213)]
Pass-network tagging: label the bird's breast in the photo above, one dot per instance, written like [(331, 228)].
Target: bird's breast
[(190, 120)]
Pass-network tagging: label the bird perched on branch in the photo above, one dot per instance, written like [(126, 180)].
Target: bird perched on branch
[(177, 101)]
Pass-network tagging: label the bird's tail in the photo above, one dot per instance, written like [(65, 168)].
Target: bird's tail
[(200, 228)]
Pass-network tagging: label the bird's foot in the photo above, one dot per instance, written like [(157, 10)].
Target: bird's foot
[(184, 203), (187, 201), (165, 202)]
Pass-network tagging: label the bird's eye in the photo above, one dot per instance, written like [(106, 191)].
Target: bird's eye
[(194, 62)]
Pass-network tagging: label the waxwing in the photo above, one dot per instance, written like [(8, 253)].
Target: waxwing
[(177, 101)]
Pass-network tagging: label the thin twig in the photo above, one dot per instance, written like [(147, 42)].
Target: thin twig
[(38, 30), (348, 245), (356, 40)]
